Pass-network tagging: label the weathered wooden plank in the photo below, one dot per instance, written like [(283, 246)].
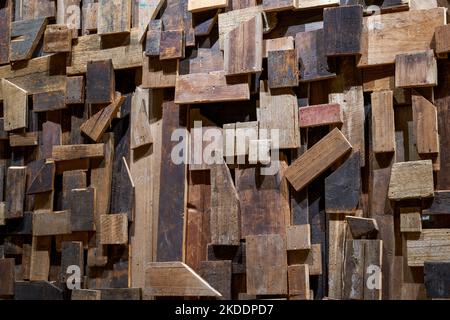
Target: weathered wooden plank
[(360, 227), (74, 152), (343, 187), (114, 228), (75, 90), (298, 237), (411, 180), (86, 294), (321, 115), (114, 16), (442, 38), (410, 219), (175, 279), (317, 159), (15, 106), (7, 274), (425, 125), (218, 275), (379, 78), (440, 204), (25, 36), (153, 39), (204, 5), (266, 265), (298, 278), (278, 5), (159, 74), (337, 233), (432, 245), (5, 30), (40, 258), (49, 101), (284, 43), (342, 30), (243, 48), (121, 294), (309, 4), (437, 275), (383, 122), (82, 207), (57, 38), (27, 139), (15, 184), (283, 69), (100, 82), (418, 69), (143, 12), (37, 290), (171, 45), (46, 223)]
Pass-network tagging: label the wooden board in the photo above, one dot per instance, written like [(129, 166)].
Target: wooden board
[(343, 187), (320, 115), (100, 83), (25, 36), (360, 227), (442, 37), (171, 45), (442, 100), (15, 184), (57, 38), (38, 290), (5, 30), (243, 48), (7, 273), (310, 4), (114, 16), (153, 39), (411, 180), (202, 5), (342, 30), (317, 159), (74, 152), (165, 279), (218, 275), (425, 125), (436, 279), (432, 245), (266, 265), (440, 204), (398, 33), (82, 209), (40, 258), (46, 223), (298, 278), (418, 69), (49, 101), (27, 139), (282, 69), (210, 87), (15, 106), (114, 228), (75, 90), (410, 219), (159, 74), (298, 237), (383, 124)]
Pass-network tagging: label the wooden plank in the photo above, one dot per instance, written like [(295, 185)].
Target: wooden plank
[(121, 294), (38, 290), (284, 43), (82, 202), (69, 14), (320, 115), (218, 275), (243, 48), (437, 279), (171, 45), (15, 184), (7, 274), (425, 125), (283, 69), (202, 5), (46, 223), (312, 57), (165, 279), (442, 38), (410, 219), (418, 69), (225, 222), (71, 180), (153, 39), (399, 33), (57, 38), (442, 100), (440, 204), (298, 237), (49, 101), (159, 74), (432, 245), (74, 152), (210, 87), (75, 90), (40, 258), (25, 36), (86, 294), (360, 227), (337, 233), (317, 159), (298, 278), (114, 228), (278, 5), (383, 124), (96, 125), (172, 187), (343, 187), (100, 82), (27, 139), (342, 30), (266, 265), (5, 30), (411, 180), (278, 109), (114, 16), (309, 4), (15, 106)]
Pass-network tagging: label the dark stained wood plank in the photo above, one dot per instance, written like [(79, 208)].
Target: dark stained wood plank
[(100, 82), (25, 36), (283, 69), (5, 30), (44, 179), (75, 90), (218, 275), (37, 290), (152, 45), (82, 203)]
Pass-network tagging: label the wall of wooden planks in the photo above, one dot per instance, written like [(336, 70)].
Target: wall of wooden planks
[(116, 117)]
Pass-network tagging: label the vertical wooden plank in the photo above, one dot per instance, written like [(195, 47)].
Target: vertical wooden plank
[(100, 82), (298, 278), (337, 231), (7, 277), (5, 30), (40, 258), (282, 68), (71, 255), (15, 184), (425, 125), (15, 106), (383, 123)]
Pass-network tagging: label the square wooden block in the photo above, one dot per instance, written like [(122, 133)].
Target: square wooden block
[(114, 228), (299, 237), (410, 220), (57, 38)]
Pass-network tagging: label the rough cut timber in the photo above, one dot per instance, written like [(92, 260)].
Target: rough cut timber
[(15, 197), (159, 74), (317, 159), (46, 223), (27, 139), (25, 36), (284, 43), (49, 101), (266, 265), (114, 228), (7, 272), (383, 122), (442, 37), (43, 181), (225, 215), (57, 38), (432, 245), (72, 254), (86, 294), (410, 219), (100, 84), (398, 33), (5, 30), (218, 274), (243, 48), (153, 38), (320, 115), (282, 68), (171, 45), (82, 203), (114, 16), (360, 227), (298, 237), (343, 187), (205, 5), (37, 290), (74, 152), (342, 30), (278, 5), (298, 278), (211, 87), (425, 125), (440, 204), (69, 14), (15, 106), (309, 4), (175, 279), (411, 180), (418, 69), (437, 275)]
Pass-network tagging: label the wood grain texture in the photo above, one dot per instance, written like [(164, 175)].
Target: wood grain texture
[(418, 69), (27, 139), (15, 106), (360, 227), (298, 278), (442, 38), (49, 101), (15, 197), (298, 237), (75, 90), (159, 74), (114, 228), (114, 16), (410, 219), (218, 275), (383, 122), (74, 152), (243, 48), (317, 159), (425, 125), (320, 115), (171, 45), (82, 207), (440, 204), (204, 5), (283, 69), (411, 180), (7, 275), (57, 38), (165, 279), (46, 223), (5, 30), (100, 82), (432, 245), (25, 35), (266, 265), (436, 279)]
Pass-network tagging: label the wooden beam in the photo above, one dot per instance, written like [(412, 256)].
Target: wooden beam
[(57, 38), (411, 180), (5, 30), (15, 106), (114, 16), (100, 82), (383, 124), (418, 69), (321, 115), (46, 223), (49, 101), (432, 245), (25, 36), (425, 125), (442, 37), (28, 139), (114, 228), (171, 45), (168, 279), (82, 202), (7, 276), (37, 290), (75, 90), (317, 159), (74, 152), (410, 219), (298, 278), (282, 69), (298, 237)]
